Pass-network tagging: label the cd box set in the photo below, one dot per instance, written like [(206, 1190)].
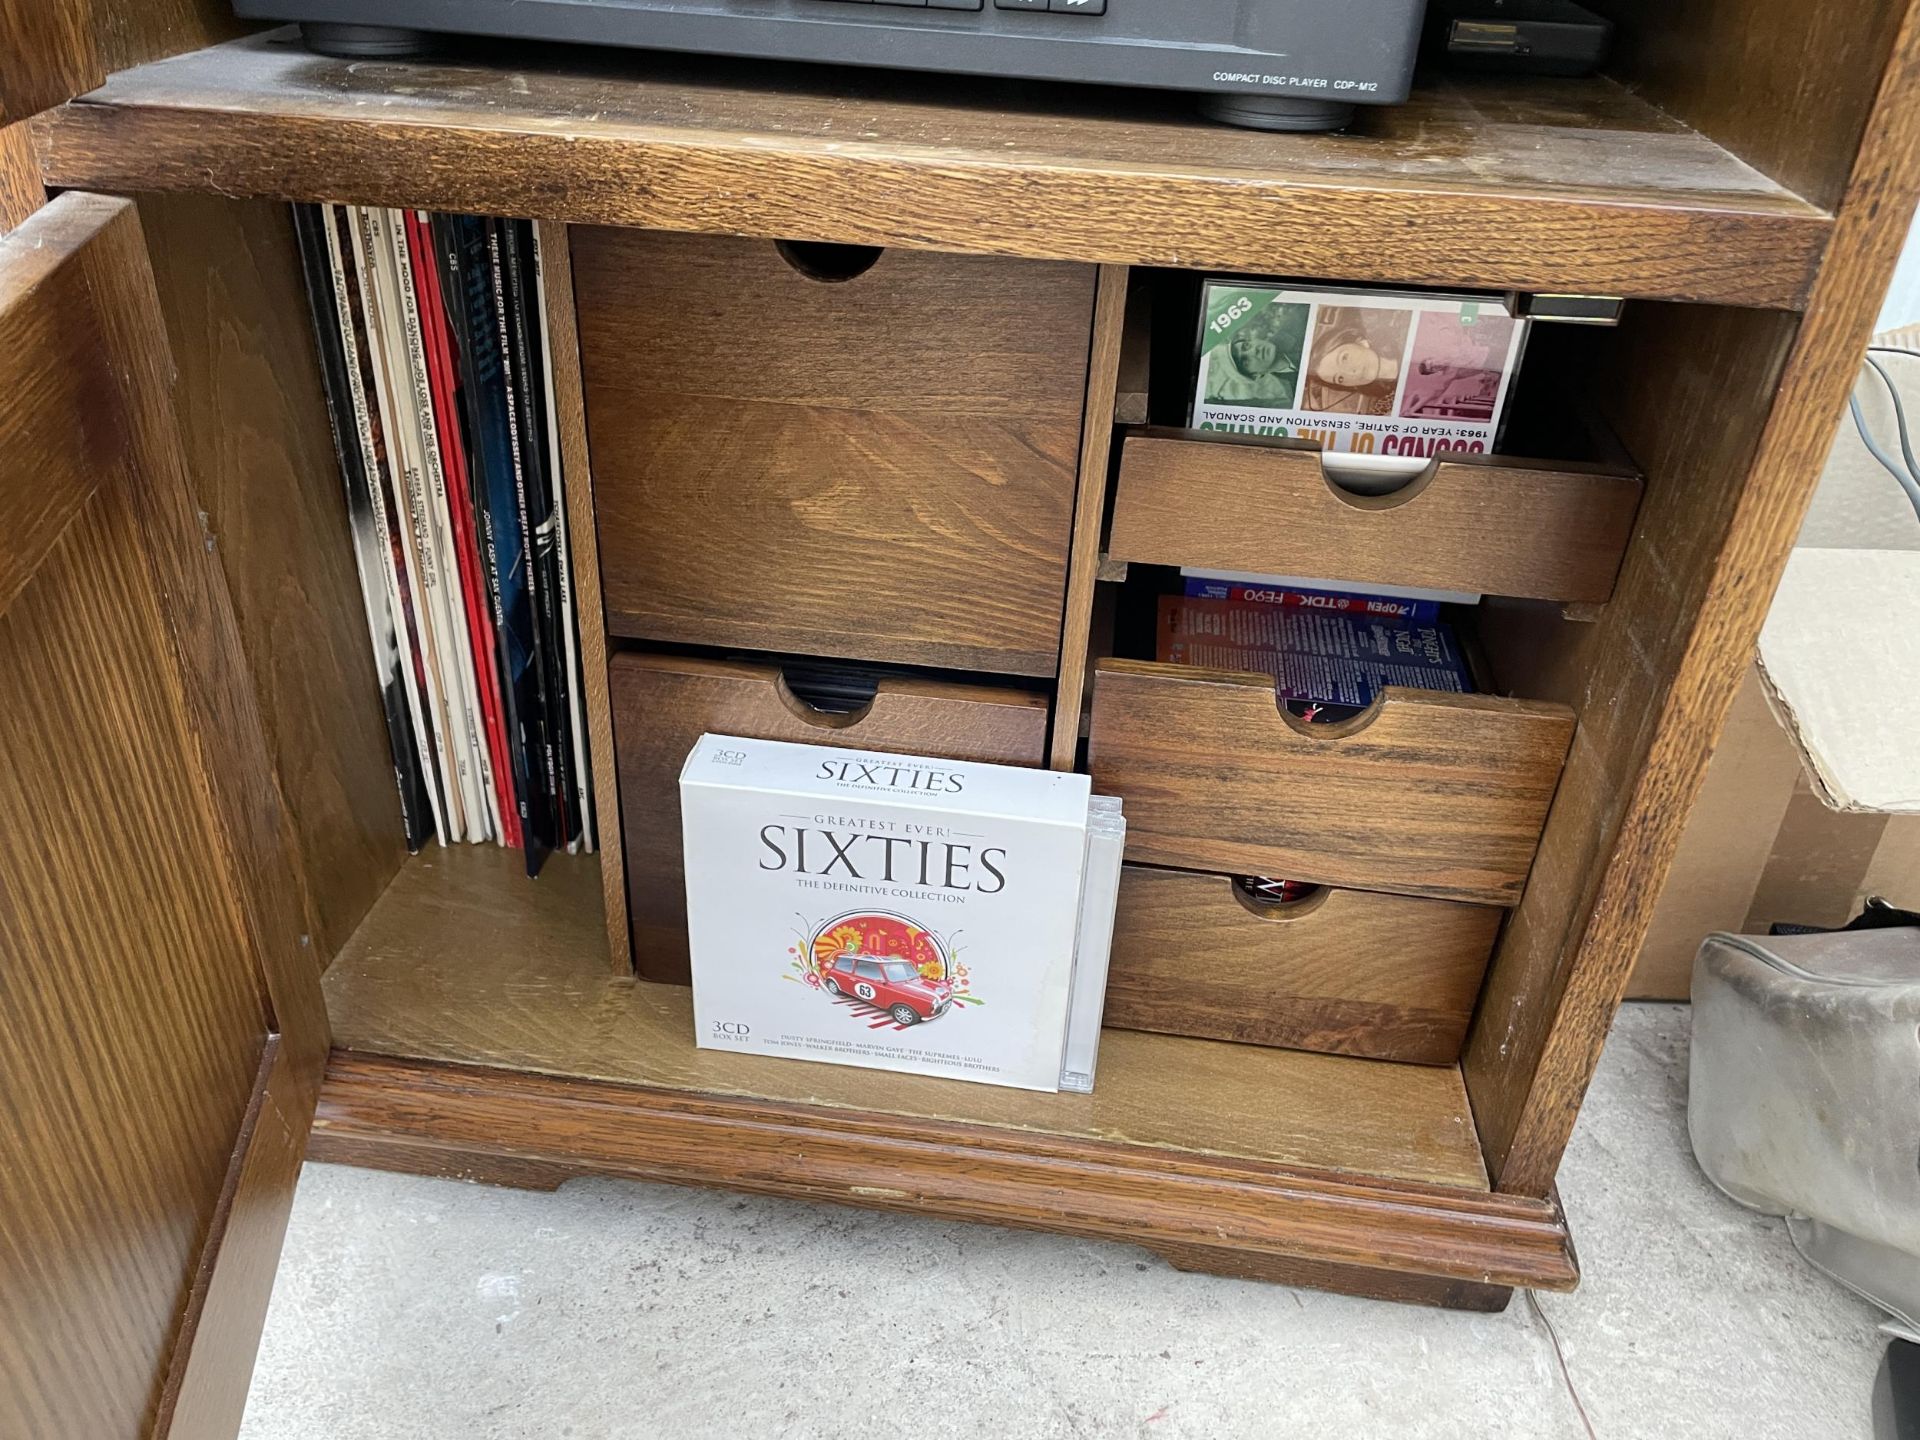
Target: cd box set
[(930, 916)]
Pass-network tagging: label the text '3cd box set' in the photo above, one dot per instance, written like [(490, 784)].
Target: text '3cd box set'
[(930, 916)]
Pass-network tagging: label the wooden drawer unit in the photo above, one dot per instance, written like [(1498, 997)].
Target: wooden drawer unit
[(880, 468), (663, 704), (1388, 977), (1425, 794), (1472, 523)]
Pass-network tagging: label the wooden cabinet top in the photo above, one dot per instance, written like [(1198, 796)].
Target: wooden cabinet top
[(1561, 185)]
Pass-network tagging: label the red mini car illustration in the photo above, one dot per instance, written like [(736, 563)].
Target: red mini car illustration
[(895, 986)]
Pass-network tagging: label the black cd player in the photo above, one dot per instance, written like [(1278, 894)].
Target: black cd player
[(1269, 64)]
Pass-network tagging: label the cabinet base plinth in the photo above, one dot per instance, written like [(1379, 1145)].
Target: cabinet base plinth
[(1341, 1279), (439, 1162), (1371, 1236)]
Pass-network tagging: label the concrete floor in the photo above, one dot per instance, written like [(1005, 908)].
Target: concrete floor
[(427, 1309)]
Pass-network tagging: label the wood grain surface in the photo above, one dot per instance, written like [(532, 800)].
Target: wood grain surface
[(1475, 524), (877, 469), (68, 412), (1031, 1178), (1784, 85), (48, 55), (1555, 185), (1000, 1175), (132, 32), (663, 704), (1348, 972), (1110, 312), (137, 1016), (207, 1383), (1426, 794), (256, 848), (21, 192), (414, 1155), (1731, 414), (52, 50), (590, 612), (260, 451), (256, 841), (520, 983), (1691, 391)]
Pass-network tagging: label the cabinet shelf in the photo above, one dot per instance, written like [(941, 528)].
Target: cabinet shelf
[(463, 960), (1568, 185), (473, 1014)]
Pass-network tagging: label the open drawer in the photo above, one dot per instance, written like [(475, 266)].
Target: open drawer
[(1347, 972), (1469, 523), (1425, 793)]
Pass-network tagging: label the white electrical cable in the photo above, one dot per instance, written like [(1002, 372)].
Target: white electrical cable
[(1907, 474), (1912, 470)]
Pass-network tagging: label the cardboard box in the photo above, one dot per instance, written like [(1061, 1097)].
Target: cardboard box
[(1812, 802), (1763, 846)]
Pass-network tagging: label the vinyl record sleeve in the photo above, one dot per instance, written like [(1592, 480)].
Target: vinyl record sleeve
[(416, 548), (465, 278), (347, 414), (390, 511), (563, 549), (442, 538), (449, 428), (526, 366), (473, 276), (546, 818)]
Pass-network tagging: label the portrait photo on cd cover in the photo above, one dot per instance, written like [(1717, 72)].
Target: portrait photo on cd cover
[(1260, 364), (1355, 360), (1456, 365)]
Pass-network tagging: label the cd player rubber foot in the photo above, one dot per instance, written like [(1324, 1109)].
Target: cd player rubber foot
[(362, 42), (1275, 112)]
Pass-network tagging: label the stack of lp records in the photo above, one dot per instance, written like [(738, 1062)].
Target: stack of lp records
[(899, 913)]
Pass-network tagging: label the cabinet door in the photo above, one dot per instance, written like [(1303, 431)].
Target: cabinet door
[(161, 1029)]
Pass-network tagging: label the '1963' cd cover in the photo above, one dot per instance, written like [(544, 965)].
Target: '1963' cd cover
[(1363, 373)]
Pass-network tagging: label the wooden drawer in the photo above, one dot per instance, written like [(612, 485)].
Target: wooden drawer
[(1472, 523), (1349, 972), (878, 469), (1425, 794), (663, 704)]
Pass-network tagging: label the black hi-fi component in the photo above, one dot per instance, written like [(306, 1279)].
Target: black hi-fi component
[(1520, 37), (1265, 64)]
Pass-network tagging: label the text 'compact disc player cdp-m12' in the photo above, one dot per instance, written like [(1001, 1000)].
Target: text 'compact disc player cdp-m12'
[(1270, 64)]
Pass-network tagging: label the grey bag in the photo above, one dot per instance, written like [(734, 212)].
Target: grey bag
[(1805, 1097)]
